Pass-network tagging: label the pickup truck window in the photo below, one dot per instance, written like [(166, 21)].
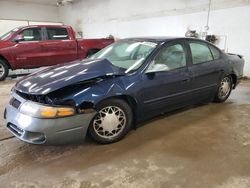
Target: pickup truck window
[(31, 34), (57, 34)]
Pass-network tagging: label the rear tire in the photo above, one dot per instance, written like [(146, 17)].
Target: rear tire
[(112, 121), (4, 70), (224, 90)]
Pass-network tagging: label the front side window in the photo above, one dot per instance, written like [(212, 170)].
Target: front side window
[(169, 58), (127, 54), (57, 34), (200, 53), (32, 34)]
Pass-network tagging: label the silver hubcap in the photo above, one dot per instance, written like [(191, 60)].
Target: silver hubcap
[(109, 122), (2, 70), (225, 87)]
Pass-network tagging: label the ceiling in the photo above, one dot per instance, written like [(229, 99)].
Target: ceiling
[(43, 2)]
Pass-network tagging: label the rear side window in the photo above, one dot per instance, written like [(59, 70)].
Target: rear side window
[(200, 53), (31, 34), (57, 34), (215, 52)]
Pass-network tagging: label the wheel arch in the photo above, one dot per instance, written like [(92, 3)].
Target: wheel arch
[(234, 79), (131, 101), (6, 61)]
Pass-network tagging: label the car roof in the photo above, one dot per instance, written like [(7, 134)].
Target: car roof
[(154, 38), (165, 39), (32, 26), (160, 39)]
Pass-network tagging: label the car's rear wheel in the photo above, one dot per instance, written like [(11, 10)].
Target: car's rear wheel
[(4, 70), (112, 121), (224, 89)]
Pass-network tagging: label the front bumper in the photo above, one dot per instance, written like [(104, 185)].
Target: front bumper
[(46, 131)]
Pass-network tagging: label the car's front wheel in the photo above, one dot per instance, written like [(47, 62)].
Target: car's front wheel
[(112, 121), (224, 90)]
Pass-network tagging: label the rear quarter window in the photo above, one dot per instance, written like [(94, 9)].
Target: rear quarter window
[(200, 52), (215, 52)]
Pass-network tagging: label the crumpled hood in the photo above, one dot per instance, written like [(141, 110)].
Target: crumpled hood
[(57, 77)]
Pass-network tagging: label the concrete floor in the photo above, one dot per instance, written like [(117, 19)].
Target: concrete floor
[(203, 147)]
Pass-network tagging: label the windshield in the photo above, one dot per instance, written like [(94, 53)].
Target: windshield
[(126, 54), (6, 35)]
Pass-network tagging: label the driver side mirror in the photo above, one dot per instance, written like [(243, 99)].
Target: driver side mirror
[(19, 38), (157, 68)]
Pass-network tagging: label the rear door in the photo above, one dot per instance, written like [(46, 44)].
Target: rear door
[(59, 46), (207, 69), (167, 81), (29, 52)]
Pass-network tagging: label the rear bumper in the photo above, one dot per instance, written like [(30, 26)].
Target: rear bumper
[(47, 131)]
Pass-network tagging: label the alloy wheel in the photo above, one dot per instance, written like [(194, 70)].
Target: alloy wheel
[(109, 122), (225, 87)]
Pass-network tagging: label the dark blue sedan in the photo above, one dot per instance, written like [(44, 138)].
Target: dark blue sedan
[(125, 83)]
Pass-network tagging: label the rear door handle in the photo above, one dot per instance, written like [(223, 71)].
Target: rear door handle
[(185, 80)]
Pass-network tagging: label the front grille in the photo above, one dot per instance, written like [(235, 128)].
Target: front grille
[(15, 129), (25, 96), (35, 98), (15, 103)]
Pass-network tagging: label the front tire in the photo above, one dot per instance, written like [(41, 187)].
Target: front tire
[(112, 121), (224, 89), (4, 70)]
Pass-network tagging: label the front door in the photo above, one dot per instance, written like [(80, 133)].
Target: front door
[(166, 81), (29, 52)]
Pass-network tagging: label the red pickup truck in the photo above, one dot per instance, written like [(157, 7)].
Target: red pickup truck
[(44, 45)]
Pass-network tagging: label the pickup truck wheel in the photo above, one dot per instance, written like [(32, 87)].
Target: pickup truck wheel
[(224, 90), (4, 70), (112, 121)]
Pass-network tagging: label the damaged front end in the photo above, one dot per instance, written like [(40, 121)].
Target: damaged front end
[(62, 85), (60, 99), (55, 106), (48, 119), (80, 96)]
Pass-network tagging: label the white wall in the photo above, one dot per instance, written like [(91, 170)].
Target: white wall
[(7, 25), (130, 18), (14, 14), (15, 10)]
